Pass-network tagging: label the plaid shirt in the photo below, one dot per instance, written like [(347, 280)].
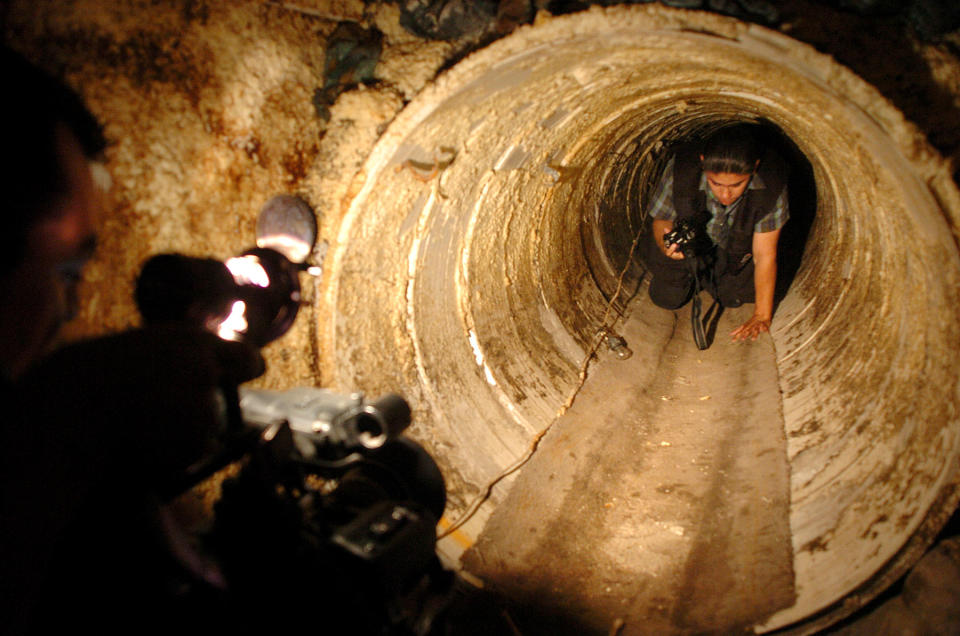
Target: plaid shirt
[(721, 216)]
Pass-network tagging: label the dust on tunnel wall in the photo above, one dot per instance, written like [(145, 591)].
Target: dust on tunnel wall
[(484, 278)]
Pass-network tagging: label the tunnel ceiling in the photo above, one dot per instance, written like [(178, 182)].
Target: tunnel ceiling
[(481, 261)]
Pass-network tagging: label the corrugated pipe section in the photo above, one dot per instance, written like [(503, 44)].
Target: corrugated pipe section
[(496, 213)]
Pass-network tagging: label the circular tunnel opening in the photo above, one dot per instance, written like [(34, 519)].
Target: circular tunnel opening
[(488, 247)]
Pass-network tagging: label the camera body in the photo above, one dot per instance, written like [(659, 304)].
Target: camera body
[(684, 236), (335, 510)]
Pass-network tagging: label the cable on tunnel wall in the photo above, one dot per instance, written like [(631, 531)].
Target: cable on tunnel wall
[(535, 442)]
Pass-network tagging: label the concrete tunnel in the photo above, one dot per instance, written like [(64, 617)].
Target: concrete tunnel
[(488, 243), (492, 237)]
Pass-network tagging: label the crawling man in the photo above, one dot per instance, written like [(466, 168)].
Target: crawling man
[(733, 193)]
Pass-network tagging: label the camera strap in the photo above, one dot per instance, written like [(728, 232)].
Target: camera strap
[(699, 335)]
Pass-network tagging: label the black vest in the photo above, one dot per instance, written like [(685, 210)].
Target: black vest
[(690, 203)]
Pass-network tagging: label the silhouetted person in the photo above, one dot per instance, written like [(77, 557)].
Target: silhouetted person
[(92, 432)]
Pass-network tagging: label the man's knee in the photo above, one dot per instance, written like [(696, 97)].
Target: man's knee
[(670, 296), (671, 282)]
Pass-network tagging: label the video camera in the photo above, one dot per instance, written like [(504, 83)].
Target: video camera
[(331, 509)]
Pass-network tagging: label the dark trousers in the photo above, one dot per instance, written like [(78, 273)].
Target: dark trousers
[(672, 281)]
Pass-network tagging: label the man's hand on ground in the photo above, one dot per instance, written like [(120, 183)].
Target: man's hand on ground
[(751, 329)]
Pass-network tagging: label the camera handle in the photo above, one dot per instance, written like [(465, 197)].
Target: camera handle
[(699, 335)]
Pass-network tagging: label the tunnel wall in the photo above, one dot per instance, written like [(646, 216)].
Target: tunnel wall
[(475, 268)]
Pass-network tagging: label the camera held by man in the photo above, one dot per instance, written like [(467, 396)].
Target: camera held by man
[(684, 236)]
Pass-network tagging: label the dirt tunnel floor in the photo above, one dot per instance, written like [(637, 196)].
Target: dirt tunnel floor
[(659, 499)]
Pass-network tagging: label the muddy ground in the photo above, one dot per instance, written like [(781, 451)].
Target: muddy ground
[(660, 499)]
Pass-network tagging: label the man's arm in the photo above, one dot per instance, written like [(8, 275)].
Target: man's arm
[(764, 282)]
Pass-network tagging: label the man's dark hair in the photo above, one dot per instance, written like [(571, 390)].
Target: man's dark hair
[(33, 177), (732, 149)]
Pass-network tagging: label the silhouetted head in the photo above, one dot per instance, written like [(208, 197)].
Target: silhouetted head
[(50, 206)]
